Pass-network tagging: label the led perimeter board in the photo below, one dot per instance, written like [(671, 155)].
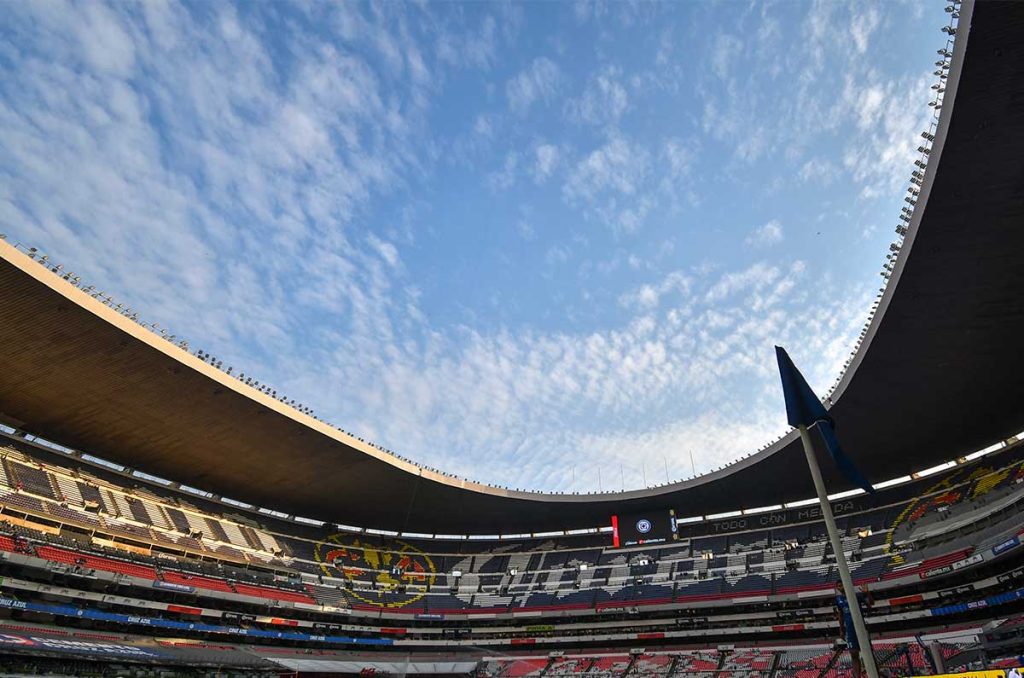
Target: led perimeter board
[(649, 527)]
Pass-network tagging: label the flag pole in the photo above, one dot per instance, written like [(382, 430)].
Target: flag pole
[(860, 629)]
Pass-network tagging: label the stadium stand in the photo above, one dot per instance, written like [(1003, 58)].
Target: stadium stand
[(723, 582), (362, 575), (103, 571)]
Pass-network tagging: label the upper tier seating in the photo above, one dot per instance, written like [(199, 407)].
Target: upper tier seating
[(149, 572), (785, 560)]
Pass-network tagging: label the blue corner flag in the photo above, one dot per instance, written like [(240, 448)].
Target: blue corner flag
[(804, 409)]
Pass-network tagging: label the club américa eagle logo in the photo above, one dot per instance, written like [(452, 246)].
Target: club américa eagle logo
[(364, 564)]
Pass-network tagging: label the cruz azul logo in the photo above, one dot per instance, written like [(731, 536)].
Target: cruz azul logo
[(643, 526), (378, 576)]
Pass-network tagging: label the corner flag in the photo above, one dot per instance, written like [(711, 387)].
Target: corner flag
[(804, 409)]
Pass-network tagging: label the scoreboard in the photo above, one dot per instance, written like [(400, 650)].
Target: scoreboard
[(648, 527)]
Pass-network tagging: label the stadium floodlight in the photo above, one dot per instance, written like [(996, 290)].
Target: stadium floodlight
[(944, 52), (942, 64), (949, 30)]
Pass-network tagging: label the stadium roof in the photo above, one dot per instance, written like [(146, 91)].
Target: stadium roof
[(938, 374)]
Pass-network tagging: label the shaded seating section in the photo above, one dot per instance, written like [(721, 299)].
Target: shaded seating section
[(652, 665), (568, 666), (802, 580), (109, 564), (138, 510), (275, 594), (127, 511), (805, 662), (23, 501), (609, 666), (178, 519), (62, 512), (440, 602), (142, 534), (195, 580), (515, 668), (905, 659), (706, 588), (750, 663), (697, 662), (784, 560), (59, 555)]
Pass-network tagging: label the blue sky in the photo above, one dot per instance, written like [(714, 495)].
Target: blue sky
[(519, 242)]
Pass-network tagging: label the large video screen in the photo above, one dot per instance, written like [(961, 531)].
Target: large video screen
[(649, 527)]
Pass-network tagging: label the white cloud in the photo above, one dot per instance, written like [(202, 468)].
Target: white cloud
[(648, 296), (386, 250), (473, 48), (891, 117), (528, 402), (104, 41), (545, 161), (756, 278), (610, 183), (219, 156), (603, 101), (726, 50), (526, 230), (818, 170), (505, 177), (865, 22), (557, 254), (483, 126), (537, 82), (768, 234)]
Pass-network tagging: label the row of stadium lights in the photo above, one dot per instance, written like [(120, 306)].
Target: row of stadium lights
[(254, 383), (916, 183), (107, 300), (907, 211), (906, 215)]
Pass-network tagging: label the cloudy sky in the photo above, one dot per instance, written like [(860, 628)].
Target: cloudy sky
[(542, 245)]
